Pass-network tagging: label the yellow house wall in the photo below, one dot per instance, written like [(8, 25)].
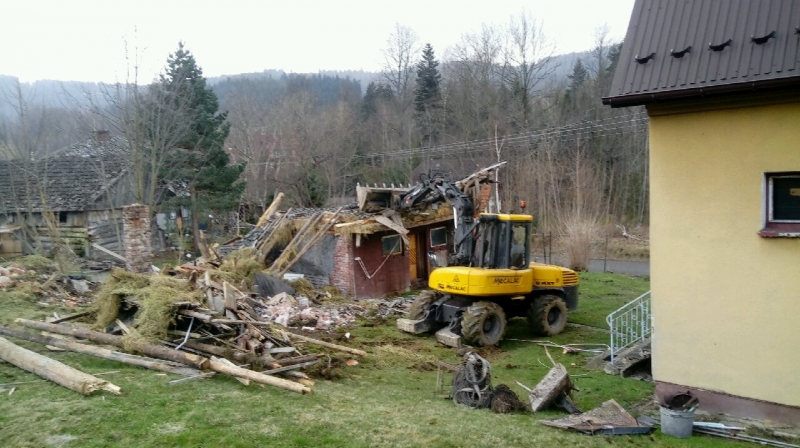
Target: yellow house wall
[(726, 302)]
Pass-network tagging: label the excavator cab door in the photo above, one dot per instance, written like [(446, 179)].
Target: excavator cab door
[(502, 244)]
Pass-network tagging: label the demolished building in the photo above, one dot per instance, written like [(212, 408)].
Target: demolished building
[(371, 249)]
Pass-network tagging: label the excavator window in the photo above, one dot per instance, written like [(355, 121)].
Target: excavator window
[(519, 248), (485, 245)]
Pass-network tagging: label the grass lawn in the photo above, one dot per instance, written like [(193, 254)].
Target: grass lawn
[(388, 399)]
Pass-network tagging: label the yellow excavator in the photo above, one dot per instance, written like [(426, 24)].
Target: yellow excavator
[(488, 279)]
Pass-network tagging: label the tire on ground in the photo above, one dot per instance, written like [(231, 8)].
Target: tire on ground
[(483, 323), (421, 304), (547, 315)]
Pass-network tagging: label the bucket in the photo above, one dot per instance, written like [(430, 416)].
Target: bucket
[(677, 423)]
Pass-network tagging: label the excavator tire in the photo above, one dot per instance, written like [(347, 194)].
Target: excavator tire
[(547, 315), (421, 304), (483, 323)]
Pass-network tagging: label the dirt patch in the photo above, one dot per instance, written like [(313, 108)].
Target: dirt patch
[(330, 369), (424, 367)]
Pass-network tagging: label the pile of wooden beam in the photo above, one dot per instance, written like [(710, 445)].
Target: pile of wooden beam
[(226, 334)]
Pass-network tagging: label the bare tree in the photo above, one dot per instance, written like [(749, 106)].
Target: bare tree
[(528, 57), (398, 69)]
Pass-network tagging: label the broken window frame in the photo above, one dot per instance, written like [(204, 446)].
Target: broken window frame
[(443, 239), (396, 248), (772, 227)]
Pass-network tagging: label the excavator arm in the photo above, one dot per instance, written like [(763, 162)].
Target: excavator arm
[(436, 187)]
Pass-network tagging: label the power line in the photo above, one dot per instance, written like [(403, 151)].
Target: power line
[(597, 128)]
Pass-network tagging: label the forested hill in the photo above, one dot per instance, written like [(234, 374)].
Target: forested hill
[(47, 93), (328, 84)]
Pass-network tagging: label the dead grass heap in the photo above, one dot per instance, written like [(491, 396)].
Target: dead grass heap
[(239, 266), (578, 235), (154, 296), (35, 262)]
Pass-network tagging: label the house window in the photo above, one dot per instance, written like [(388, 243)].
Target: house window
[(438, 236), (392, 245), (62, 217), (782, 201)]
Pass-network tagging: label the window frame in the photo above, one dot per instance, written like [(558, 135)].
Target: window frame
[(777, 228), (443, 229), (399, 245)]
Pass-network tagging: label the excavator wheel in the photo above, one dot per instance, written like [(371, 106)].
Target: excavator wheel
[(421, 304), (483, 323), (547, 315)]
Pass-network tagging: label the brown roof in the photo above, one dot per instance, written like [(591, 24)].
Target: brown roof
[(730, 45)]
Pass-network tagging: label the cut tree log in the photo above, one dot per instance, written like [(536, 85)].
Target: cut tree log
[(202, 244), (244, 381), (341, 348), (156, 351), (53, 370), (160, 352), (140, 361), (218, 366)]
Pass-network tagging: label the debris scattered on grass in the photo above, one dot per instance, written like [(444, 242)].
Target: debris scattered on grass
[(608, 419), (554, 389)]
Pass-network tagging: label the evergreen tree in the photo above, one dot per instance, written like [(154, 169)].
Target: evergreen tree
[(578, 76), (376, 92), (427, 96), (199, 159)]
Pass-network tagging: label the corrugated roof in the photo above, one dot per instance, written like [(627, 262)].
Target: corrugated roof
[(727, 45)]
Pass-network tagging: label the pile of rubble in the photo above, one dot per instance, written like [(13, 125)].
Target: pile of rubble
[(36, 278), (8, 275), (197, 320)]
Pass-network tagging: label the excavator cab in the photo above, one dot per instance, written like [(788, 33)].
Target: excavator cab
[(503, 241)]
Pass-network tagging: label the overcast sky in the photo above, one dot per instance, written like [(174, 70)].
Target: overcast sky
[(84, 40)]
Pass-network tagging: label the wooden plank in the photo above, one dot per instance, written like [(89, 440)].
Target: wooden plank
[(270, 210), (402, 231), (244, 381), (108, 252), (341, 348), (230, 295), (314, 239)]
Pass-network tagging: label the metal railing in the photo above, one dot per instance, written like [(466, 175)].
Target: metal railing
[(630, 324)]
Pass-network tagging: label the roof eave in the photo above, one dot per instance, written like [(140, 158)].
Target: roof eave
[(641, 99)]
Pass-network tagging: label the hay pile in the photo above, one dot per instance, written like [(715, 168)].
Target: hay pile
[(239, 267), (154, 297)]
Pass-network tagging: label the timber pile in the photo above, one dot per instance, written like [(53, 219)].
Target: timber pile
[(193, 322), (203, 314)]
